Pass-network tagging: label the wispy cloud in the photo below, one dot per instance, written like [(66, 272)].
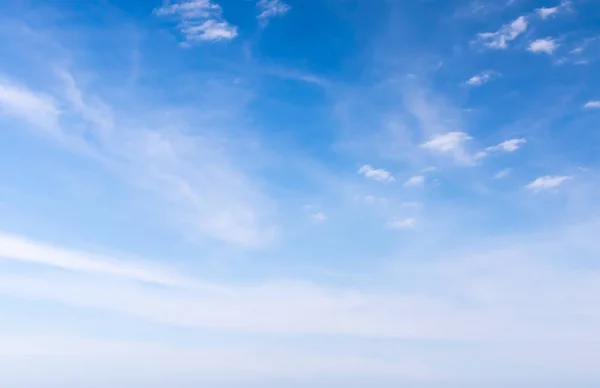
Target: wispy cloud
[(377, 174), (270, 9), (545, 45), (510, 145), (415, 181), (36, 108), (592, 105), (451, 143), (199, 20), (406, 223), (482, 78), (546, 12), (546, 182), (502, 174), (507, 33), (319, 217)]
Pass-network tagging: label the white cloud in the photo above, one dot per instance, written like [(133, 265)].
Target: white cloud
[(482, 78), (199, 20), (429, 169), (376, 174), (507, 33), (506, 146), (546, 12), (36, 108), (546, 182), (319, 217), (406, 223), (415, 181), (502, 174), (546, 45), (592, 105), (270, 9), (162, 162), (447, 142), (450, 143)]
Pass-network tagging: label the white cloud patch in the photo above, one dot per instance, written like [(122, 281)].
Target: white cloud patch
[(451, 143), (506, 146), (546, 12), (199, 20), (502, 174), (482, 78), (406, 223), (36, 108), (415, 181), (376, 174), (546, 182), (319, 217), (546, 46), (507, 33), (270, 9), (592, 105)]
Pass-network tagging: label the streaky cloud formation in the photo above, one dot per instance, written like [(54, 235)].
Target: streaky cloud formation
[(506, 34), (270, 193)]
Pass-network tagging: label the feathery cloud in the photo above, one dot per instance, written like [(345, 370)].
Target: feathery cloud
[(546, 12), (415, 181), (199, 20), (506, 33), (35, 108), (406, 223), (592, 105), (270, 9), (546, 182), (376, 173), (481, 78), (502, 174)]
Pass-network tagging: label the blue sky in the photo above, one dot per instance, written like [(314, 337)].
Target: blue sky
[(300, 193)]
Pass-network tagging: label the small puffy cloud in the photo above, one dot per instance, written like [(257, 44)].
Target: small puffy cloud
[(319, 217), (592, 105), (546, 182), (429, 169), (449, 143), (199, 20), (502, 174), (481, 78), (270, 9), (376, 174), (546, 12), (415, 181), (406, 223), (506, 33), (546, 46), (506, 146)]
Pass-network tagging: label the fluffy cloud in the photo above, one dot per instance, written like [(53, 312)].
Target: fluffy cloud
[(319, 217), (451, 143), (199, 20), (270, 9), (406, 223), (506, 33), (415, 181), (506, 146), (546, 46), (376, 173), (481, 78), (546, 12), (546, 182), (592, 105)]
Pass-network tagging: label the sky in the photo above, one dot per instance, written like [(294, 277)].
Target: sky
[(295, 193)]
